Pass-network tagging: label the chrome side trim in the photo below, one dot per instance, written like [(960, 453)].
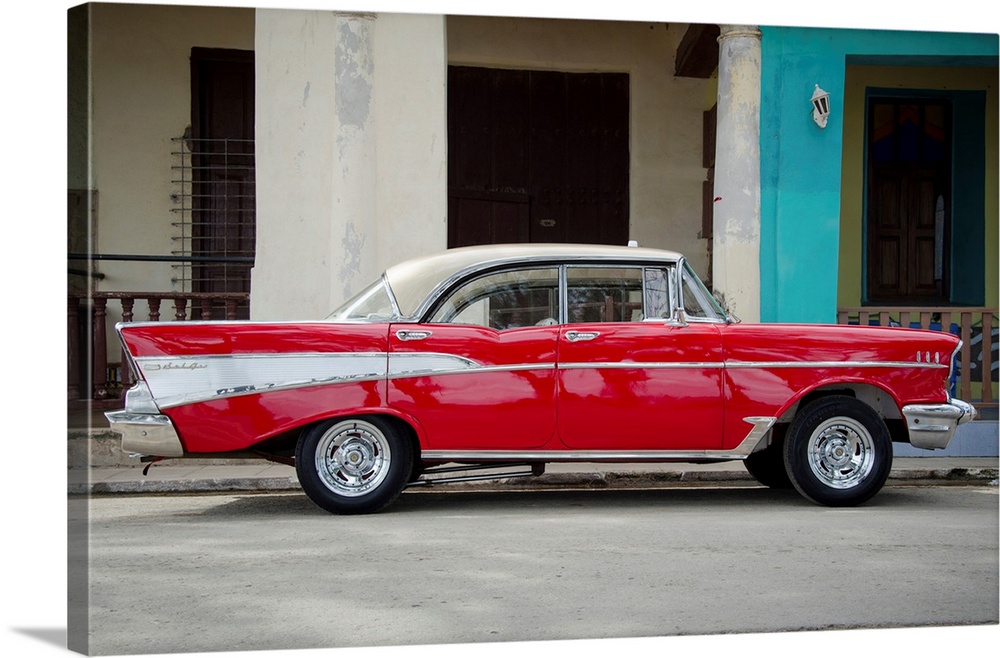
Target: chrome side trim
[(657, 365), (519, 367), (138, 399), (174, 381), (932, 426), (406, 364), (742, 365), (760, 427), (832, 364), (576, 455), (952, 362)]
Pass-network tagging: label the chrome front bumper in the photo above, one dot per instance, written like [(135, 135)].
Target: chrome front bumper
[(146, 434), (932, 426)]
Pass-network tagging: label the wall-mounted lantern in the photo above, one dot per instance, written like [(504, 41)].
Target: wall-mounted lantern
[(821, 106)]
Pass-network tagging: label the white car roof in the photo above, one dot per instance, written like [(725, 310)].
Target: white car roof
[(413, 281)]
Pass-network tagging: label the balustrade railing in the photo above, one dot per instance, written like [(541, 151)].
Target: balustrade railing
[(88, 331), (977, 367)]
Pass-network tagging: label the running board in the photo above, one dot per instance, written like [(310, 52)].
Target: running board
[(536, 469)]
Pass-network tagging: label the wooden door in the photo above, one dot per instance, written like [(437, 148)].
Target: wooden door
[(222, 131), (909, 198), (537, 156)]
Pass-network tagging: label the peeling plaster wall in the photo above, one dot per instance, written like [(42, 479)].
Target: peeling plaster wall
[(411, 112), (665, 128), (351, 169), (353, 227), (736, 225)]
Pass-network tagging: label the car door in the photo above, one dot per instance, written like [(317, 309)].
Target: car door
[(630, 379), (481, 374)]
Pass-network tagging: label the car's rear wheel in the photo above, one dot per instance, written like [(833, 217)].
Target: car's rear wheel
[(767, 466), (353, 466), (838, 451)]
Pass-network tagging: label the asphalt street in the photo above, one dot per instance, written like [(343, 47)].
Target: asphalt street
[(252, 571)]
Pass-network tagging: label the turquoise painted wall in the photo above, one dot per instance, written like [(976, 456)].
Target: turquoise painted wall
[(801, 163)]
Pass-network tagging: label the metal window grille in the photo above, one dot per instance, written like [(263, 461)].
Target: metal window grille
[(215, 208)]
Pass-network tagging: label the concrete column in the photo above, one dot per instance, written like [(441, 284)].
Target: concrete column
[(736, 226), (351, 153)]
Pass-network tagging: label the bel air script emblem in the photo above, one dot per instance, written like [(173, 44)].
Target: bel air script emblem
[(175, 365)]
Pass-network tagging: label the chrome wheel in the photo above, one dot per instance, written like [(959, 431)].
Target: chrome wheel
[(353, 458), (841, 453), (354, 465), (838, 451)]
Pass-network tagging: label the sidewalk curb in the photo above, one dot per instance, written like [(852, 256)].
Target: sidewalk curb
[(585, 480)]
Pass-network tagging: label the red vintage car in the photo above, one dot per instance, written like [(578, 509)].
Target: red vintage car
[(515, 356)]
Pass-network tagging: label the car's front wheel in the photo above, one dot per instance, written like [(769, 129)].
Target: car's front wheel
[(838, 451), (355, 465)]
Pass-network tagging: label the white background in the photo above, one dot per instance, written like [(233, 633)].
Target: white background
[(33, 585)]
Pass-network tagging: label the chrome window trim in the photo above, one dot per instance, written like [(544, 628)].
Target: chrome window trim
[(392, 296), (564, 294), (431, 309), (562, 262), (694, 320), (683, 271)]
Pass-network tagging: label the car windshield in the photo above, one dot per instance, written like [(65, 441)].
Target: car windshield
[(373, 304)]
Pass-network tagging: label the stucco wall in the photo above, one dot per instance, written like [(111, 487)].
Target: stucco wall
[(801, 164), (351, 154), (666, 112), (141, 86)]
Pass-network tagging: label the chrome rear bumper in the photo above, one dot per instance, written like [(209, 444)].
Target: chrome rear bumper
[(932, 426), (146, 434)]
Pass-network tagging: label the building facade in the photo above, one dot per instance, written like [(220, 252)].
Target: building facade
[(278, 160)]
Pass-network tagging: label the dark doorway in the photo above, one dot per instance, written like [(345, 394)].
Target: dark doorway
[(222, 155), (537, 156), (909, 200)]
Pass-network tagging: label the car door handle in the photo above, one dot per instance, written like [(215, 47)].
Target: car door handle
[(408, 334), (577, 336)]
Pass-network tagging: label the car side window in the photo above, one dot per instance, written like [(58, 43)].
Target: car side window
[(619, 294), (604, 294), (657, 293), (504, 300)]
